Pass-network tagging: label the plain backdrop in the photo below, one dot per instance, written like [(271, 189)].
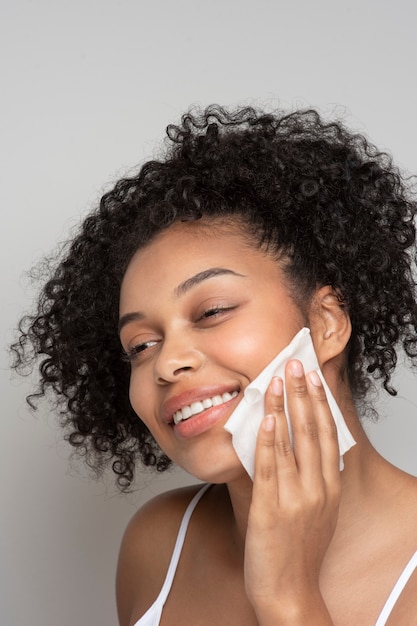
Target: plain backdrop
[(87, 88)]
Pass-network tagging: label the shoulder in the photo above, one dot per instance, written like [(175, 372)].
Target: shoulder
[(157, 519), (146, 551)]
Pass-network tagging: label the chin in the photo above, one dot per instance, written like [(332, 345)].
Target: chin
[(216, 471)]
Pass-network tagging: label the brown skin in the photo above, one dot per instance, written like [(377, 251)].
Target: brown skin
[(304, 544)]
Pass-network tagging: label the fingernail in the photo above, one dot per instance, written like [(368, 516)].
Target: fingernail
[(268, 423), (276, 386), (314, 378), (296, 369)]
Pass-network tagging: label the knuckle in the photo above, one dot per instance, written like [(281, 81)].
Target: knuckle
[(320, 500), (334, 492), (310, 430), (316, 501), (268, 440), (266, 473), (283, 447), (277, 408), (294, 509), (300, 390), (320, 395), (329, 430)]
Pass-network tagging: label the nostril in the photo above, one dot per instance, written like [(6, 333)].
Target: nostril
[(185, 368), (173, 361)]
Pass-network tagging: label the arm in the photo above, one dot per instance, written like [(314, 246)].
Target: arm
[(294, 505)]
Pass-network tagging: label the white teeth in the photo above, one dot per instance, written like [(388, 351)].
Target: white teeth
[(197, 407), (187, 412)]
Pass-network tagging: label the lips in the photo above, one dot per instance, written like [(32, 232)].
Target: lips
[(191, 403), (199, 406)]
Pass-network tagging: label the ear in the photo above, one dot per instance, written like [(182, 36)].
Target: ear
[(330, 324)]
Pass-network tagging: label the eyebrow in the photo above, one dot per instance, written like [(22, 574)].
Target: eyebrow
[(201, 276), (181, 289), (129, 317)]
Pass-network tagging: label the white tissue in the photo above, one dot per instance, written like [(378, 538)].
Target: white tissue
[(246, 419)]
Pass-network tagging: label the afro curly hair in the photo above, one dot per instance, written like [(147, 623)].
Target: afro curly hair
[(336, 207)]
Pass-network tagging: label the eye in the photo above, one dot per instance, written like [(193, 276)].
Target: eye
[(136, 351), (215, 312)]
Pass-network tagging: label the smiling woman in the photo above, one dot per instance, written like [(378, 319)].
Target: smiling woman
[(220, 313), (175, 296)]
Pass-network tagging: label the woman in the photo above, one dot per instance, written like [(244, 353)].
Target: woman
[(203, 268)]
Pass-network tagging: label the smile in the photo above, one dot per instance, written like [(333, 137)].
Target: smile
[(198, 407)]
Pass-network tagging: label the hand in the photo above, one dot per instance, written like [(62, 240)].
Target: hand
[(295, 501)]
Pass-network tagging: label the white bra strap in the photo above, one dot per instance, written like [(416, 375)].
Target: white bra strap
[(166, 587), (153, 614), (396, 592)]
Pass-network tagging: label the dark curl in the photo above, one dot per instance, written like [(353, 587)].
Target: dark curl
[(326, 199)]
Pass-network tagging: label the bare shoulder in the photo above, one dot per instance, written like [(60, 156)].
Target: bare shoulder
[(146, 550), (406, 529)]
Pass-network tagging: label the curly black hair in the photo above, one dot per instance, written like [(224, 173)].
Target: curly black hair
[(324, 197)]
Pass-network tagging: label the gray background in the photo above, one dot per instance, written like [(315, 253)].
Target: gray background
[(86, 91)]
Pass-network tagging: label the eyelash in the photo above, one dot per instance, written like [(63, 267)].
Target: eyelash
[(135, 352), (216, 310)]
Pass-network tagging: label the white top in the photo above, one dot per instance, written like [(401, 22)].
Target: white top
[(153, 614)]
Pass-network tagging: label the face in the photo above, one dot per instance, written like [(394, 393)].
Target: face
[(201, 314)]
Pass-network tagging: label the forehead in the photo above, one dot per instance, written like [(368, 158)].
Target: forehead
[(186, 249), (194, 241), (203, 230)]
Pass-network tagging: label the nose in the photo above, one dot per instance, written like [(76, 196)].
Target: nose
[(177, 357)]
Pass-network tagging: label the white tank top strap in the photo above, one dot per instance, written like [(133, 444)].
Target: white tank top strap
[(153, 614), (396, 592)]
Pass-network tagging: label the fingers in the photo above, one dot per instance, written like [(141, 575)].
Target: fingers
[(296, 489), (314, 431), (303, 421), (313, 454), (326, 428), (274, 453)]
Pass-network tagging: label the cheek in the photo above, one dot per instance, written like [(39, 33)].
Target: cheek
[(253, 345), (244, 353)]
